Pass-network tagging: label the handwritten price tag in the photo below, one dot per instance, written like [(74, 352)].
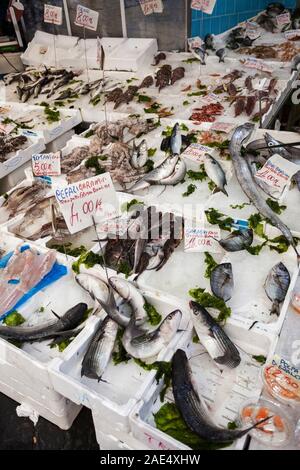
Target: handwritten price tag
[(277, 173), (6, 128), (87, 18), (258, 64), (52, 14), (210, 98), (94, 197), (151, 6), (201, 238), (46, 164), (207, 6), (283, 19), (222, 127), (196, 152), (252, 30)]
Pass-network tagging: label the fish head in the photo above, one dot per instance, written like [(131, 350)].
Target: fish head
[(75, 314), (121, 286), (244, 132), (200, 313), (247, 236), (170, 324), (227, 267)]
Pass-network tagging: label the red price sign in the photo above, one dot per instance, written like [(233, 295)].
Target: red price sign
[(151, 6), (87, 199), (52, 14), (196, 152), (46, 164), (207, 6), (87, 18), (201, 238), (277, 173)]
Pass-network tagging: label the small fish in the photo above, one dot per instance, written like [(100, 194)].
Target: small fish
[(150, 344), (250, 105), (98, 354), (130, 294), (200, 54), (239, 107), (249, 84), (159, 57), (176, 140), (218, 345), (177, 74), (155, 176), (237, 241), (276, 286), (209, 41), (221, 53), (176, 177), (221, 281), (215, 172), (231, 89), (193, 410), (139, 155), (147, 82)]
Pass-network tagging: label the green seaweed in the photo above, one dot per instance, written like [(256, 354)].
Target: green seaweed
[(208, 300), (154, 317), (211, 264), (14, 319)]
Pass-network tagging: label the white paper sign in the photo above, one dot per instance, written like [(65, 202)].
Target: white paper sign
[(207, 6), (252, 30), (94, 197), (283, 19), (198, 239), (210, 98), (261, 84), (277, 173), (151, 6), (6, 128), (52, 14), (195, 42), (196, 152), (258, 64), (46, 164), (86, 17), (222, 127), (293, 33)]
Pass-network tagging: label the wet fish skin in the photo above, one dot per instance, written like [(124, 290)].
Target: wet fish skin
[(150, 344), (221, 53), (98, 354), (290, 153), (237, 241), (209, 41), (217, 343), (276, 286), (250, 105), (176, 140), (68, 321), (215, 172), (239, 107), (221, 281), (156, 175), (130, 294), (200, 54), (177, 176), (139, 155), (97, 289), (245, 178), (192, 408)]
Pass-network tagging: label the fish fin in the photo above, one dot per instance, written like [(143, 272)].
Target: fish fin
[(55, 314), (224, 192), (275, 310)]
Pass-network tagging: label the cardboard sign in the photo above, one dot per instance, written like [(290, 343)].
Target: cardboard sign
[(222, 127), (207, 6), (277, 172), (94, 197), (196, 152), (200, 238), (151, 6), (46, 164), (194, 43), (87, 18), (283, 19), (257, 64), (52, 14)]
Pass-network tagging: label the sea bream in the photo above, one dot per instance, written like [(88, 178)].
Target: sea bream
[(221, 281), (193, 410), (247, 183), (217, 343), (277, 285)]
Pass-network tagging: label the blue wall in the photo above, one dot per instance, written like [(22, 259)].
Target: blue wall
[(228, 13)]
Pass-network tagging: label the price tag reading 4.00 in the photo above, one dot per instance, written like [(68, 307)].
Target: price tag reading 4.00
[(52, 14), (86, 18), (87, 199), (46, 164)]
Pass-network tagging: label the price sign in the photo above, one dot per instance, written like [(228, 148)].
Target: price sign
[(6, 128), (277, 173), (257, 64), (194, 43), (283, 19), (292, 34), (151, 6), (252, 30), (87, 18), (46, 164), (52, 14), (94, 197), (210, 98), (223, 127), (196, 152), (201, 238), (207, 6)]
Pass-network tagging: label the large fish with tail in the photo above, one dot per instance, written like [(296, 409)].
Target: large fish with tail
[(193, 410), (248, 185)]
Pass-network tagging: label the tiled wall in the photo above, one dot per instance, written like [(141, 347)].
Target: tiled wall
[(228, 13)]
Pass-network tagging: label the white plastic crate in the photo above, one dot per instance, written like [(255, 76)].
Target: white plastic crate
[(24, 372), (123, 385), (18, 158), (223, 392)]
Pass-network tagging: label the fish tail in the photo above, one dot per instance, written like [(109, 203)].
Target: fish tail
[(275, 308), (224, 191)]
